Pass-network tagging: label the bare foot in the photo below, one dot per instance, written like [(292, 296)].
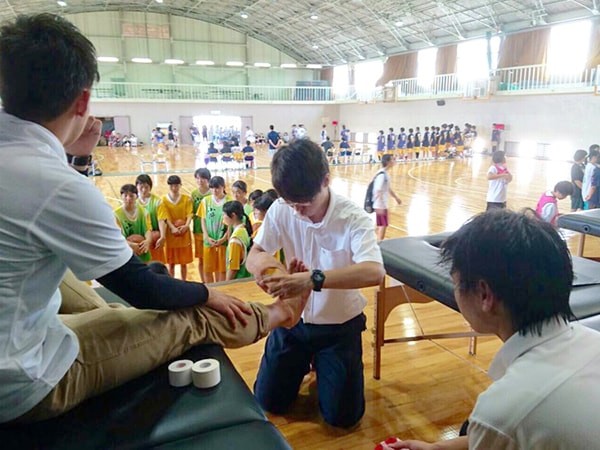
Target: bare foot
[(286, 313)]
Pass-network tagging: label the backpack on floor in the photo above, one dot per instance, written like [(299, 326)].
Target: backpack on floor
[(369, 196)]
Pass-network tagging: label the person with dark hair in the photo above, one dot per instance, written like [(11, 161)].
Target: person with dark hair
[(248, 152), (239, 190), (53, 219), (332, 253), (239, 242), (214, 231), (176, 209), (150, 202), (498, 177), (592, 159), (577, 172), (273, 140), (512, 277), (547, 206), (134, 222), (382, 191), (202, 177)]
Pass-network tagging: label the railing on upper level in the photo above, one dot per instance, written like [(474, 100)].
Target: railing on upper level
[(539, 79), (204, 92), (535, 79)]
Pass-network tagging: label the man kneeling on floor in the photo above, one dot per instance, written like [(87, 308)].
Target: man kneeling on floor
[(53, 218), (512, 277)]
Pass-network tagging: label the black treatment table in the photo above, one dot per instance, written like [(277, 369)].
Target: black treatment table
[(414, 262), (584, 222)]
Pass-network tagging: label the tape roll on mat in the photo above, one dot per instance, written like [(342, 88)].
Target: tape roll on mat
[(180, 373), (206, 373)]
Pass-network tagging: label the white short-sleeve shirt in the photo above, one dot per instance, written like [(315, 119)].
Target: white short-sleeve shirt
[(496, 188), (51, 218), (344, 237), (545, 393), (381, 190)]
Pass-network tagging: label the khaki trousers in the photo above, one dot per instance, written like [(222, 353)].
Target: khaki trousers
[(118, 344)]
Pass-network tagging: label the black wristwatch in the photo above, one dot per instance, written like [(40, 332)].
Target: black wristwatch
[(79, 160), (317, 278)]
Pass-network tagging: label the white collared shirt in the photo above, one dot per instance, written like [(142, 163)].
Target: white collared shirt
[(545, 394), (344, 237), (51, 218)]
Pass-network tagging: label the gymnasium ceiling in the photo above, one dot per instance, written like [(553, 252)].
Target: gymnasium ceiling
[(343, 30)]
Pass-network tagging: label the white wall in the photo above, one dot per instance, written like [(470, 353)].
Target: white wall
[(145, 115), (567, 121)]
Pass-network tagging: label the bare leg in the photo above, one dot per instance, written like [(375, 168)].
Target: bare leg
[(183, 271), (172, 270)]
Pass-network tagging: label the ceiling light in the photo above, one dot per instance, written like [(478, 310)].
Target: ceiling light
[(61, 3), (314, 16), (159, 1), (314, 66), (107, 59), (288, 66), (315, 46), (202, 62), (595, 11), (244, 15), (174, 61), (262, 64), (141, 60), (234, 63), (361, 57), (399, 23)]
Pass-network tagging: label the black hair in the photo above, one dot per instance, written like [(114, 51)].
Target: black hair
[(594, 147), (255, 195), (272, 193), (143, 179), (298, 170), (234, 207), (45, 64), (264, 202), (498, 157), (202, 173), (129, 188), (564, 187), (579, 155), (216, 181), (385, 160), (241, 185), (523, 260), (173, 179)]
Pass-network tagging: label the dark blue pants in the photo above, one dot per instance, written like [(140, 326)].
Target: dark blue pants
[(337, 352)]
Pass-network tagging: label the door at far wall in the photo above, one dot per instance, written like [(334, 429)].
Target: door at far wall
[(185, 123), (122, 125)]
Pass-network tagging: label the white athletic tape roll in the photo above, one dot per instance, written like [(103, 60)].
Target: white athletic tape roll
[(206, 373), (180, 373)]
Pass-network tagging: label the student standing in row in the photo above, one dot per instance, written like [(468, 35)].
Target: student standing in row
[(177, 210), (133, 220), (215, 232), (202, 177), (240, 240), (151, 202)]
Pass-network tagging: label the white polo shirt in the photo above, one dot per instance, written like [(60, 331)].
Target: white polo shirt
[(344, 237), (545, 394), (51, 218)]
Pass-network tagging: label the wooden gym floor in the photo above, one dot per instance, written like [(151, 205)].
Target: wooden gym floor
[(427, 388)]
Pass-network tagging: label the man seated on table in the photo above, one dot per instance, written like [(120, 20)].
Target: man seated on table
[(512, 277)]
